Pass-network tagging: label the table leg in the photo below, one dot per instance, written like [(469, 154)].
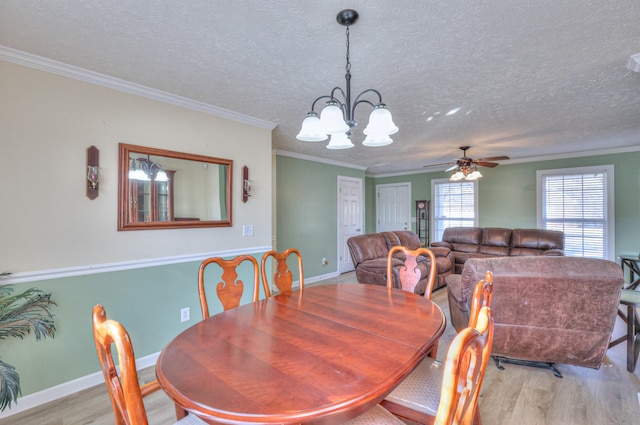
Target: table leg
[(632, 340)]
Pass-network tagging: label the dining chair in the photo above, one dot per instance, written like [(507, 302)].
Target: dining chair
[(410, 275), (419, 394), (462, 377), (122, 382), (282, 276), (231, 288)]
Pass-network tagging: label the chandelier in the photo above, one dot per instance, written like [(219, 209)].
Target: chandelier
[(143, 169), (337, 118)]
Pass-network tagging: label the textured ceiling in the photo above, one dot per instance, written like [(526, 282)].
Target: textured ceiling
[(531, 77)]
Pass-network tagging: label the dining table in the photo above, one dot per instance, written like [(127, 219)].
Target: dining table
[(320, 355)]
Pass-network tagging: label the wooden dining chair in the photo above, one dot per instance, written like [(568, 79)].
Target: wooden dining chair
[(419, 394), (462, 377), (231, 288), (410, 275), (122, 382), (282, 276)]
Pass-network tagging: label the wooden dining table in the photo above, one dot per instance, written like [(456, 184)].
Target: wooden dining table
[(319, 355)]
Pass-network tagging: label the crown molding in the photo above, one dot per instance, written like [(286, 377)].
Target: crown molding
[(38, 62), (318, 159), (570, 155)]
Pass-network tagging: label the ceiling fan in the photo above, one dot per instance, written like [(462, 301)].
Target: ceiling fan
[(467, 168)]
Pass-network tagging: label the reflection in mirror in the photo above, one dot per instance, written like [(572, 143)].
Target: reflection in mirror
[(162, 189)]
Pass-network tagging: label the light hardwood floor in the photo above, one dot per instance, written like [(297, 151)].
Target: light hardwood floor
[(518, 395)]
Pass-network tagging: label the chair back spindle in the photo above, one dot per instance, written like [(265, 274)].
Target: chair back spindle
[(230, 289), (282, 276)]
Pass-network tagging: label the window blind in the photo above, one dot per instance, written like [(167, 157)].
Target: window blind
[(577, 205)]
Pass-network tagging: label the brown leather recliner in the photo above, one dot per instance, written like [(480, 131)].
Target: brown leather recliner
[(547, 309), (369, 255)]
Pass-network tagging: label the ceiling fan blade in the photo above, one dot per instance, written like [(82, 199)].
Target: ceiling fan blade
[(453, 167), (439, 165), (494, 158), (485, 164)]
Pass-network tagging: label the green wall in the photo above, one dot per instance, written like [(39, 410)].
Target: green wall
[(507, 194), (147, 301), (306, 210)]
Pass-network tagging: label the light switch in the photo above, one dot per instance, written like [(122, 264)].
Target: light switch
[(247, 230)]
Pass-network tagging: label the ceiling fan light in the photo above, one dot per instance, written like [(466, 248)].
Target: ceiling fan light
[(339, 141), (380, 121), (376, 140), (457, 176), (311, 130), (332, 118), (474, 175)]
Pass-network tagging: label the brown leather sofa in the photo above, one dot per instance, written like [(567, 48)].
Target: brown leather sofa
[(547, 309), (479, 242), (369, 254)]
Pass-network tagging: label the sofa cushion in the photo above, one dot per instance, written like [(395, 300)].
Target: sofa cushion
[(495, 241), (408, 238), (378, 265), (391, 239), (463, 235), (536, 242)]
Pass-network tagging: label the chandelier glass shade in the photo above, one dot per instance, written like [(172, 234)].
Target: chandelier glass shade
[(337, 118), (143, 169)]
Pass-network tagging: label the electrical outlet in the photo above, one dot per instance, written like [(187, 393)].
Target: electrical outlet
[(247, 230), (185, 314), (324, 261)]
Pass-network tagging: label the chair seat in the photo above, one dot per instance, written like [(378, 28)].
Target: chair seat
[(191, 420), (420, 390), (378, 415)]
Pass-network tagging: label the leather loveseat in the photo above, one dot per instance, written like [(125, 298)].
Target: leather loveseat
[(487, 242), (369, 254), (547, 309)]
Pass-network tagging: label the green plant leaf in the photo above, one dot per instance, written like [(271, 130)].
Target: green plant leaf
[(21, 313), (9, 385)]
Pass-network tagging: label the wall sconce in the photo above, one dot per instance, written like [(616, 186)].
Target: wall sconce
[(246, 184), (93, 172)]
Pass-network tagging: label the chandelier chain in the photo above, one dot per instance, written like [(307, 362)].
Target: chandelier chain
[(348, 66)]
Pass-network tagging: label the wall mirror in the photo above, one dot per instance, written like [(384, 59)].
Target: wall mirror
[(161, 189)]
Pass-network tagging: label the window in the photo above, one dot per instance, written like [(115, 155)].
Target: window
[(579, 202), (454, 204)]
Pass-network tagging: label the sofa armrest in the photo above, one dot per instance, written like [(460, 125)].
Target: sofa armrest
[(441, 244), (440, 251), (554, 252)]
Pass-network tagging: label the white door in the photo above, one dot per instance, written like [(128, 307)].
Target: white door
[(393, 207), (349, 218)]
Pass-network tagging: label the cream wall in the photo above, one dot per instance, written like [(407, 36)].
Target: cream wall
[(48, 121), (56, 239)]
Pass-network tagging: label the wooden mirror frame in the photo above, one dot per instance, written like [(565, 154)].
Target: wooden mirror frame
[(124, 189)]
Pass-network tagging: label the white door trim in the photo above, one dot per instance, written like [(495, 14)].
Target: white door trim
[(341, 247)]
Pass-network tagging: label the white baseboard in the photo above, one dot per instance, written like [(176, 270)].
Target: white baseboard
[(71, 387), (321, 277)]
